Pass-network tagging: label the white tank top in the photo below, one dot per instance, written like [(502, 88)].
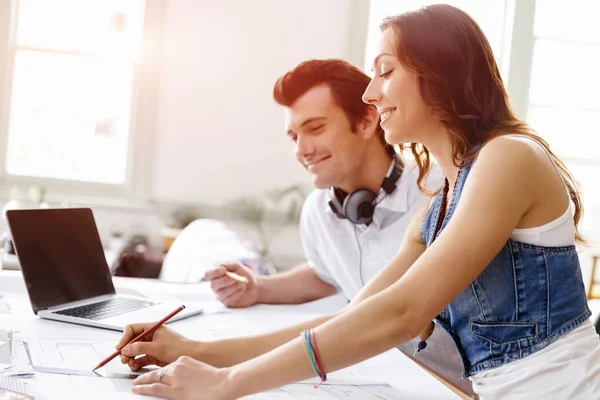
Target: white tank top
[(560, 232)]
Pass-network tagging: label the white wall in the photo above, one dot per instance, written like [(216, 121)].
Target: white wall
[(220, 134)]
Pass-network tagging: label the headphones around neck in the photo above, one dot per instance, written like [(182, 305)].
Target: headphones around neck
[(359, 206)]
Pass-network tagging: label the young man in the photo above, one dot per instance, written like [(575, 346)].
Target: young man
[(338, 140)]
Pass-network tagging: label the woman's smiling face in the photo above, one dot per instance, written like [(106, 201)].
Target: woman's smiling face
[(394, 90)]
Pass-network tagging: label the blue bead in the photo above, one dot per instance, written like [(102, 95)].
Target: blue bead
[(422, 344)]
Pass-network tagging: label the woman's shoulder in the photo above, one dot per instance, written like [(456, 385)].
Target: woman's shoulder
[(509, 143), (510, 166), (513, 151)]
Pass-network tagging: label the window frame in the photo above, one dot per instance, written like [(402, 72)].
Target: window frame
[(135, 191), (521, 68)]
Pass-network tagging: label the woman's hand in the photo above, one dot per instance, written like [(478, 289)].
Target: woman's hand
[(161, 347), (184, 379)]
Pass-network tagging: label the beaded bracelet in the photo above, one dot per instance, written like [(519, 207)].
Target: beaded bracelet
[(312, 354)]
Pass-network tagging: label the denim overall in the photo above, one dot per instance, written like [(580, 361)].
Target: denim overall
[(525, 299)]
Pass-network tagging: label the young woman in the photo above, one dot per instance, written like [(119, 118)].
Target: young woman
[(492, 258)]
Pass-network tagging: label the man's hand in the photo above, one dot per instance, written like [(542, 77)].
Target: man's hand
[(161, 347), (234, 285)]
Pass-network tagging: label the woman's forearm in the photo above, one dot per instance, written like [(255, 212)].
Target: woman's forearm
[(370, 328), (228, 352)]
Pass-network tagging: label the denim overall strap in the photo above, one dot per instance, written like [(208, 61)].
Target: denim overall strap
[(432, 216)]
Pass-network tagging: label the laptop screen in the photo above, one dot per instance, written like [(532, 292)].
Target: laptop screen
[(61, 255)]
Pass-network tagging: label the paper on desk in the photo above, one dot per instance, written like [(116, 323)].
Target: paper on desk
[(244, 322), (172, 292), (357, 382), (73, 354), (331, 392), (66, 387), (76, 355)]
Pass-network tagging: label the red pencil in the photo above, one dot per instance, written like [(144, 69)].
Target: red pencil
[(140, 336)]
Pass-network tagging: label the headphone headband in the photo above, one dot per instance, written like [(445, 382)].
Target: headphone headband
[(389, 182)]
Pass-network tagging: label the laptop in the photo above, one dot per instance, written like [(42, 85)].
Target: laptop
[(67, 276)]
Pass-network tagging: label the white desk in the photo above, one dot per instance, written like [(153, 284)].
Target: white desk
[(393, 366)]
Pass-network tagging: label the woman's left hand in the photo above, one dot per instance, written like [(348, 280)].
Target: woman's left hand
[(184, 379)]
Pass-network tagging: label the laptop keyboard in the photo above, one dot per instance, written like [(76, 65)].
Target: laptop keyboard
[(106, 308)]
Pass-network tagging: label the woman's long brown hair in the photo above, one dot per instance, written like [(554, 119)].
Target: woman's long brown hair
[(459, 79)]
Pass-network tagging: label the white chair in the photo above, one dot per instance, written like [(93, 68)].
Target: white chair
[(202, 245)]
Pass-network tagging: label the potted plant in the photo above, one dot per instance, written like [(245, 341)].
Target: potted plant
[(268, 214)]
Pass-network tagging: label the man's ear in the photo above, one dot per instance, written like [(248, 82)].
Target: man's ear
[(369, 122)]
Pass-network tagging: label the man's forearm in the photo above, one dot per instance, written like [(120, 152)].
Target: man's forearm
[(299, 285)]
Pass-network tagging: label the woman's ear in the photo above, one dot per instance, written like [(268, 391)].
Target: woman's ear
[(369, 123)]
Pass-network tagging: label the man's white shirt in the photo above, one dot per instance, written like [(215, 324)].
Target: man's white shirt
[(348, 256)]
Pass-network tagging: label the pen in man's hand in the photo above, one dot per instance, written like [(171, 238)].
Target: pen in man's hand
[(236, 277), (141, 336)]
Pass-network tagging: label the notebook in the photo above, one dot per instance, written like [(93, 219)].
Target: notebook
[(67, 276)]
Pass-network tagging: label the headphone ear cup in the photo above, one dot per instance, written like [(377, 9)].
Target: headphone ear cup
[(359, 207), (336, 203)]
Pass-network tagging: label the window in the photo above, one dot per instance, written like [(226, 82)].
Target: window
[(72, 71), (563, 103), (563, 94)]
